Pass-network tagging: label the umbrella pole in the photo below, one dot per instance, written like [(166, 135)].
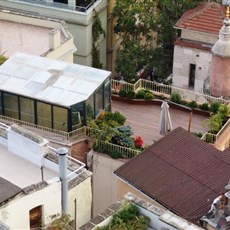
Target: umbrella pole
[(190, 121)]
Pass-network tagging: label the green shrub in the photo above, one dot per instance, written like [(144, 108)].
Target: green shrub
[(140, 94), (198, 134), (209, 138), (126, 130), (128, 218), (131, 94), (204, 106), (122, 93), (123, 140), (214, 123), (176, 97), (149, 96), (115, 155), (223, 110), (214, 106), (193, 104)]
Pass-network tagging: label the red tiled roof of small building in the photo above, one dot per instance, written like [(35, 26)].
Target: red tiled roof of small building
[(180, 171), (206, 17)]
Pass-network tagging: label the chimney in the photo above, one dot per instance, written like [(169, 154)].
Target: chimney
[(62, 155), (54, 39)]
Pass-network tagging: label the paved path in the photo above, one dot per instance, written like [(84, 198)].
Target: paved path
[(145, 119)]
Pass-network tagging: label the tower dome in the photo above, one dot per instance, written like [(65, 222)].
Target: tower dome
[(220, 63)]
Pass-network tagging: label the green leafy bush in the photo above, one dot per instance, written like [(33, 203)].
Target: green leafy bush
[(122, 93), (198, 134), (223, 110), (176, 97), (214, 123), (214, 106), (204, 106), (148, 95), (131, 94), (126, 130), (129, 218), (110, 119), (193, 104), (140, 94)]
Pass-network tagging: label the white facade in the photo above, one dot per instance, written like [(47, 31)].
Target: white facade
[(24, 164), (15, 213), (104, 182), (37, 35), (79, 23), (183, 58)]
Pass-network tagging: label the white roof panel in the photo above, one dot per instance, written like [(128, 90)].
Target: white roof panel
[(48, 80)]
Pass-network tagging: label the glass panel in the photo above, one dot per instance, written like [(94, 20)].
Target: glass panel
[(60, 118), (11, 105), (44, 114), (99, 100), (27, 109), (0, 103), (107, 95), (90, 107), (77, 114)]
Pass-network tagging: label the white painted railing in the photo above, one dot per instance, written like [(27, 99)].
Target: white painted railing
[(165, 90)]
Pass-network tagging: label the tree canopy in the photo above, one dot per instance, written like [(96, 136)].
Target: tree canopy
[(140, 23)]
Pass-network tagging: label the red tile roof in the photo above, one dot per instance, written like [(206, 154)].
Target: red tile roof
[(180, 171), (206, 17)]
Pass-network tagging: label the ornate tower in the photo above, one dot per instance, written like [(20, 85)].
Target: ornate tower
[(220, 64)]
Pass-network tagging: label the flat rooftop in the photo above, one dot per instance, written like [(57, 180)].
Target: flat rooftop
[(20, 172)]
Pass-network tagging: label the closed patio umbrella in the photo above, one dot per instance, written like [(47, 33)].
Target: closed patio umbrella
[(165, 120)]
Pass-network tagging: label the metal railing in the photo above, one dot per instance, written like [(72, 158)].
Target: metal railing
[(165, 90), (116, 151), (75, 166), (62, 5)]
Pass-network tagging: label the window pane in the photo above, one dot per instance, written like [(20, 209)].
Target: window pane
[(77, 114), (90, 107), (27, 109), (99, 104), (0, 103), (11, 105), (44, 114), (107, 95), (60, 118)]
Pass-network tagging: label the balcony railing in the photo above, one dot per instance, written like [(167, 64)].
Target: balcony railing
[(165, 90), (79, 7)]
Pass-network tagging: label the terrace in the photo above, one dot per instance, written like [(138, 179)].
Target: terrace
[(78, 5)]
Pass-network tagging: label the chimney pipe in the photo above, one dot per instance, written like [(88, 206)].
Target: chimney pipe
[(62, 155)]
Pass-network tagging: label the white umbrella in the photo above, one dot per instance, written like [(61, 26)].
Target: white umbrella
[(165, 120)]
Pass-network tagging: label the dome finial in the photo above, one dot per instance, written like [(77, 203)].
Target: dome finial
[(227, 12)]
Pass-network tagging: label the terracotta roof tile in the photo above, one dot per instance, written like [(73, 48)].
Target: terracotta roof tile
[(206, 17), (180, 171)]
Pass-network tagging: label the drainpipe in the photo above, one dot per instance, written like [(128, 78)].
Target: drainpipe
[(62, 155)]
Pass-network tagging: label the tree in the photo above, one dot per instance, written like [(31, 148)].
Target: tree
[(137, 20), (135, 25), (170, 12)]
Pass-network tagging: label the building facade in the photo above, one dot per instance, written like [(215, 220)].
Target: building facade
[(31, 188), (79, 19), (34, 34), (198, 29)]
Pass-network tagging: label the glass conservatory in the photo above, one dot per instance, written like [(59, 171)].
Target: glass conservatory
[(52, 93)]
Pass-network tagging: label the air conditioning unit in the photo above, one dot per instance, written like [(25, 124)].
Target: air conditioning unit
[(89, 160)]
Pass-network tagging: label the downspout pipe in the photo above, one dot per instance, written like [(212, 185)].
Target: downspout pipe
[(62, 157)]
